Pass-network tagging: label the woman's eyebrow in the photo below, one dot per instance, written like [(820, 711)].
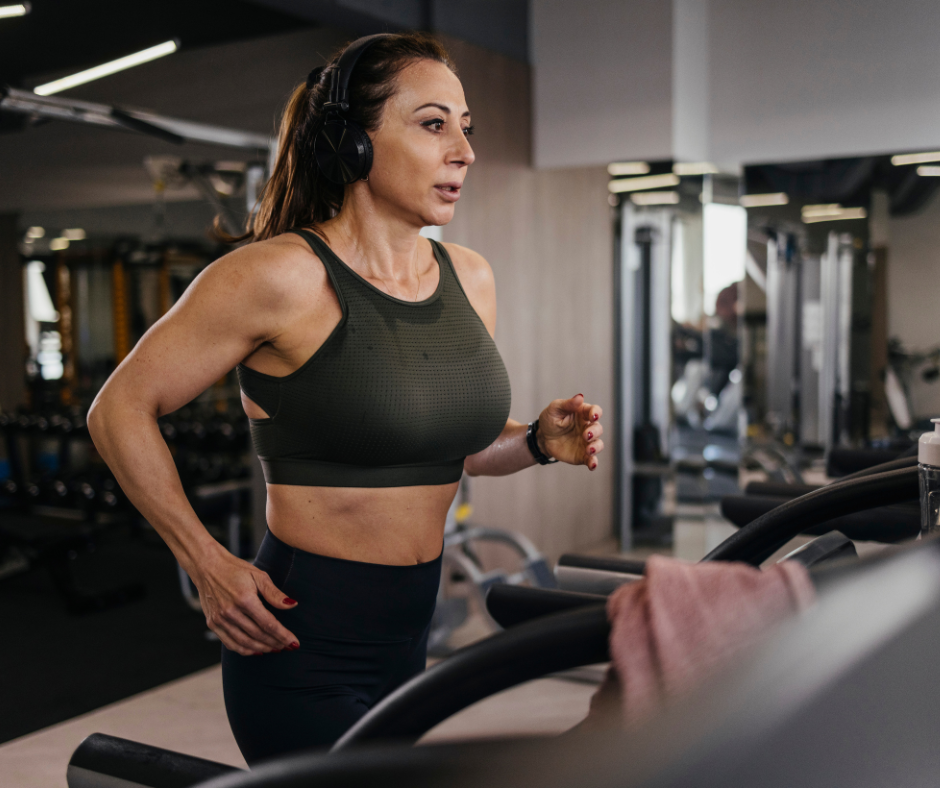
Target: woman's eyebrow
[(443, 108)]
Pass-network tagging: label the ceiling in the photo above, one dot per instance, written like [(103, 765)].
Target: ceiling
[(237, 63), (64, 35)]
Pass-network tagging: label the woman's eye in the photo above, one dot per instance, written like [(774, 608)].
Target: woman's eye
[(437, 122), (468, 131)]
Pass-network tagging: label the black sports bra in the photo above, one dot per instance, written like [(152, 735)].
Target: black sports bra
[(398, 395)]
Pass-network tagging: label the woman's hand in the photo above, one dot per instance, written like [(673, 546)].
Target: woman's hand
[(570, 431), (230, 591)]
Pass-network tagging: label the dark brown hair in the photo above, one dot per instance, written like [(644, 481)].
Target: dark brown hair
[(297, 194)]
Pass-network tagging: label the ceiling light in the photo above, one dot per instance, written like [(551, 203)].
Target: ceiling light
[(35, 232), (914, 158), (831, 213), (762, 200), (628, 168), (828, 209), (929, 172), (75, 234), (640, 184), (144, 56), (58, 244), (694, 168), (21, 9), (655, 198)]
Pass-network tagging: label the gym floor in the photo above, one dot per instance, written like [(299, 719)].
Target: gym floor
[(188, 715)]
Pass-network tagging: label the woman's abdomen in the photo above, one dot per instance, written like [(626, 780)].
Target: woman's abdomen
[(385, 525)]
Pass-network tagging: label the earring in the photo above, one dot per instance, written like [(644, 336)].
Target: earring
[(364, 177)]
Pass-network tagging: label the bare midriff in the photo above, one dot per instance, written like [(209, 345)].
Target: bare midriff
[(377, 525)]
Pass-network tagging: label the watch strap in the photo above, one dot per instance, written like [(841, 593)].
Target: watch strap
[(530, 438)]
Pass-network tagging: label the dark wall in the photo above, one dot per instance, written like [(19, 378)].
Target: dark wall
[(12, 321)]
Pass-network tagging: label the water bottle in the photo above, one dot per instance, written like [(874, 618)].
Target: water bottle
[(928, 463)]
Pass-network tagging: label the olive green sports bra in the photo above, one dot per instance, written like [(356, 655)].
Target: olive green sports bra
[(398, 395)]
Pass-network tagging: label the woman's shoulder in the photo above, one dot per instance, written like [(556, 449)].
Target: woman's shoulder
[(278, 269), (476, 278), (472, 268)]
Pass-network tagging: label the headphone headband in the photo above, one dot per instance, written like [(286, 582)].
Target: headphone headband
[(339, 85)]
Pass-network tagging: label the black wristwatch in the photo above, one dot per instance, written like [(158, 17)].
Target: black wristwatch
[(530, 433)]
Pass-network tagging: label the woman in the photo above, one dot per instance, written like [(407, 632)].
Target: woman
[(371, 380)]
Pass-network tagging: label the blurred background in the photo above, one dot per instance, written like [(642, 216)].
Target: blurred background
[(717, 219)]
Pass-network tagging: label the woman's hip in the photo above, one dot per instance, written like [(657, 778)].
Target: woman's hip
[(348, 600)]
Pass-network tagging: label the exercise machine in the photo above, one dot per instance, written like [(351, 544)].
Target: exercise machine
[(547, 631)]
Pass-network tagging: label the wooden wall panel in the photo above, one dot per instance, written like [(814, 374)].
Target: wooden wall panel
[(548, 236)]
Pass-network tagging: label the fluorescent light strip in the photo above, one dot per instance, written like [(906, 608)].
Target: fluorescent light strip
[(694, 168), (655, 198), (105, 69), (845, 213), (628, 168), (762, 200), (20, 9), (58, 244), (641, 184), (915, 158), (829, 209), (74, 234), (929, 172)]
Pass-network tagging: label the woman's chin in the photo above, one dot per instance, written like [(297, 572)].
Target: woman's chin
[(439, 216)]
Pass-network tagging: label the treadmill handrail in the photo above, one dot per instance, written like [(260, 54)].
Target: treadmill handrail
[(508, 658), (762, 537)]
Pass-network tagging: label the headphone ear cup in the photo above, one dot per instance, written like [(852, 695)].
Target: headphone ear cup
[(343, 151)]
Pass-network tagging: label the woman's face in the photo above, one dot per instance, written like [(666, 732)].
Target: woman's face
[(421, 150)]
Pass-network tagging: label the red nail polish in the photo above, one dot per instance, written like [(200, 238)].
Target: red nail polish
[(289, 601), (579, 395), (593, 450), (590, 435), (593, 466), (294, 646), (594, 417)]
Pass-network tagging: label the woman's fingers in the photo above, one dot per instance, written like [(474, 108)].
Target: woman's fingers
[(263, 617), (590, 455), (240, 620), (591, 413), (266, 621), (271, 593), (593, 432), (235, 639)]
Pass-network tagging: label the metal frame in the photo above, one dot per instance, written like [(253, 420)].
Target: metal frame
[(25, 102), (630, 381)]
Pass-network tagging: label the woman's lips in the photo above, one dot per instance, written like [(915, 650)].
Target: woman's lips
[(449, 191)]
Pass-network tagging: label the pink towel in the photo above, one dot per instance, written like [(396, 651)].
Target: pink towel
[(682, 621)]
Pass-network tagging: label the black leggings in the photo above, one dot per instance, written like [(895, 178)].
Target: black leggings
[(363, 631)]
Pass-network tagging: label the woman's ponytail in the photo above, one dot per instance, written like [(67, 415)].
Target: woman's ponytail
[(297, 194)]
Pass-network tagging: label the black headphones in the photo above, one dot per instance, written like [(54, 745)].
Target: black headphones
[(342, 148)]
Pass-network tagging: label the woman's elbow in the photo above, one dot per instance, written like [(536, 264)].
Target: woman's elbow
[(95, 419), (101, 415)]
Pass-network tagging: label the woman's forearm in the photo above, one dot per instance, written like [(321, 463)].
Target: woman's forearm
[(129, 441), (508, 454)]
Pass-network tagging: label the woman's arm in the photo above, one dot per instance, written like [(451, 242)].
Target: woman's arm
[(232, 307), (569, 430)]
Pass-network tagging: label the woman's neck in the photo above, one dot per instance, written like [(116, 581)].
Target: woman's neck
[(380, 245)]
